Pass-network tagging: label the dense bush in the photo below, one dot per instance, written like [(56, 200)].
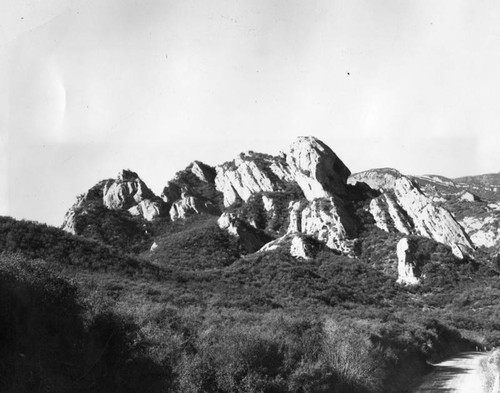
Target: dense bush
[(51, 343), (53, 245)]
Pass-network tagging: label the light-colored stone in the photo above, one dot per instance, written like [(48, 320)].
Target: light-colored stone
[(407, 269), (127, 192), (295, 211), (468, 197), (154, 246), (203, 171), (483, 231), (146, 208), (242, 181), (412, 211), (250, 238), (329, 222), (268, 203), (316, 168), (298, 245), (189, 205)]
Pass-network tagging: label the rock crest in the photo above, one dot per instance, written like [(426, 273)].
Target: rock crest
[(316, 168), (404, 207), (127, 192)]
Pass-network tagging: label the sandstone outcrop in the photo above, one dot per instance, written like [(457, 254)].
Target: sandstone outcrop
[(316, 168), (298, 245), (249, 175), (483, 231), (408, 272), (126, 193), (197, 179), (309, 163), (326, 220), (189, 205), (250, 239), (410, 210)]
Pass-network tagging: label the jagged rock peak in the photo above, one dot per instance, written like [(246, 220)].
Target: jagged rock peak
[(127, 192), (317, 169), (127, 175), (203, 171)]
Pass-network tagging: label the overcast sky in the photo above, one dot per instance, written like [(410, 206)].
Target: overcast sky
[(90, 87)]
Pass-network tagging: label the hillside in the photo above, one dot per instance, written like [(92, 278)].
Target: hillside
[(264, 274)]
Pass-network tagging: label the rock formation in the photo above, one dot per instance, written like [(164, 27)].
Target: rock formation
[(408, 272), (410, 211), (325, 219), (250, 239), (189, 205), (304, 193), (125, 193), (248, 175), (316, 168), (298, 245)]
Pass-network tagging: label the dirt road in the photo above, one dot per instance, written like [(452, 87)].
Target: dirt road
[(460, 374)]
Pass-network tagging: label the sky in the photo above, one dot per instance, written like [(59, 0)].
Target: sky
[(88, 87)]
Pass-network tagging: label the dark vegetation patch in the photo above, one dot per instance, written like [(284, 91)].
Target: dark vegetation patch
[(186, 179), (56, 246), (263, 323), (194, 243), (116, 228)]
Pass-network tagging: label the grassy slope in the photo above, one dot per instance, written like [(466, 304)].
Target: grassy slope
[(201, 297)]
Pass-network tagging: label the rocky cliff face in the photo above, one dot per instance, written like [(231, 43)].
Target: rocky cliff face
[(308, 164), (300, 199), (474, 201), (125, 193), (404, 207)]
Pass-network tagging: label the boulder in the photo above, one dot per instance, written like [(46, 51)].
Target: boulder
[(408, 272)]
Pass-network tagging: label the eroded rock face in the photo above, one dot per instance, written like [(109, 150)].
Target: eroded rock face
[(309, 163), (127, 192), (326, 220), (299, 246), (203, 171), (410, 211), (250, 238), (316, 168), (483, 231), (246, 176), (388, 215), (148, 209), (408, 272), (189, 205)]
